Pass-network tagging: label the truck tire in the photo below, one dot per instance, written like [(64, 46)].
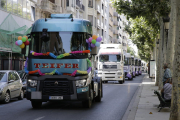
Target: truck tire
[(120, 82), (98, 98), (36, 104), (88, 103)]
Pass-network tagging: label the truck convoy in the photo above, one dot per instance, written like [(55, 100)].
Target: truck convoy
[(110, 63), (133, 66), (58, 64), (128, 71)]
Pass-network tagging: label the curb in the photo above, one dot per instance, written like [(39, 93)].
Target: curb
[(132, 108)]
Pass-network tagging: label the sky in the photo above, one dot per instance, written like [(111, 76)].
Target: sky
[(130, 44)]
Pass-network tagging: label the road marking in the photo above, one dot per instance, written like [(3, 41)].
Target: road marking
[(39, 118)]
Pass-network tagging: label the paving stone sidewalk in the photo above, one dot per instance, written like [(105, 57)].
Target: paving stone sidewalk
[(148, 103)]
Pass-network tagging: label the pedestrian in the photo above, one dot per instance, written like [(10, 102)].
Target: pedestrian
[(167, 90), (167, 74)]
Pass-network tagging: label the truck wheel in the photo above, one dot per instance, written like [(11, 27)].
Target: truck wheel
[(21, 96), (87, 103), (36, 104), (120, 82)]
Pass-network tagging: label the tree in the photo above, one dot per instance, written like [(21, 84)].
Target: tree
[(131, 51)]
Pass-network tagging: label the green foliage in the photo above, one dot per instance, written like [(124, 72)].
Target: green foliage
[(144, 16), (130, 50)]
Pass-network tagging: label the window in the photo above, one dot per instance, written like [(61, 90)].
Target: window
[(20, 7), (11, 76), (3, 77), (3, 4), (9, 5), (95, 23), (102, 32), (110, 58), (90, 4), (16, 76), (90, 18)]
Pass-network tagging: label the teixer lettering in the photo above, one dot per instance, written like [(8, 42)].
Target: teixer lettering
[(56, 65)]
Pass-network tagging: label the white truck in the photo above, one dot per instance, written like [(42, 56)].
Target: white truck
[(110, 63)]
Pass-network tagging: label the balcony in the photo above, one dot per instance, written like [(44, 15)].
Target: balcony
[(81, 6), (115, 31), (98, 9), (102, 13), (50, 7), (115, 14), (98, 24), (70, 8), (102, 25), (115, 22)]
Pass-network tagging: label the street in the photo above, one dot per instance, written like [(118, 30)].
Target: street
[(116, 98)]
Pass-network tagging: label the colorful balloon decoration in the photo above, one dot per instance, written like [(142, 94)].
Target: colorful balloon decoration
[(93, 41), (22, 41)]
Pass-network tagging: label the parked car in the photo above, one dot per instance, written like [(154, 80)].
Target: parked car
[(10, 86), (23, 77)]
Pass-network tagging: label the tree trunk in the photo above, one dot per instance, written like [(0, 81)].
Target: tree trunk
[(157, 72), (171, 38), (175, 102), (160, 59)]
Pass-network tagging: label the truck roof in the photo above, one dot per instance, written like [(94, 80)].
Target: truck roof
[(110, 46), (110, 51), (62, 22)]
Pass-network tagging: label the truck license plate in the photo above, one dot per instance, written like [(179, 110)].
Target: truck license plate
[(56, 97)]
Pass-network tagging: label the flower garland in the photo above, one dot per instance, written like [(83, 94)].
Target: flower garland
[(55, 71)]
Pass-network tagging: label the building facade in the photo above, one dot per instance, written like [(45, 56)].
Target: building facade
[(17, 17)]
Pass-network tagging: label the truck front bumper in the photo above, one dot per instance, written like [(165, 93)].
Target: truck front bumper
[(80, 94)]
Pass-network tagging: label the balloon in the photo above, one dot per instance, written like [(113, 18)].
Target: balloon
[(16, 43), (97, 44), (24, 39), (93, 45), (99, 39), (26, 43), (90, 39), (19, 38), (19, 42), (94, 37), (93, 41), (22, 46), (87, 41)]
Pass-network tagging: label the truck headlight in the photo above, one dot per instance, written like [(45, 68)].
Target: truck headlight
[(32, 83), (80, 83), (119, 73)]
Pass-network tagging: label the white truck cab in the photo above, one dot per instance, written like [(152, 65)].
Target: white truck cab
[(110, 63)]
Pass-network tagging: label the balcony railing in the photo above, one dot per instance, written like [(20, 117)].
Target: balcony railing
[(50, 7), (98, 9), (115, 14), (115, 23)]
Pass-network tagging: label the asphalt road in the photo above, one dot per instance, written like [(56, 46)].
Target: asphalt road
[(116, 98)]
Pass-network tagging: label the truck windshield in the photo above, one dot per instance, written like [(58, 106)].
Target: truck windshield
[(140, 63), (132, 61), (136, 62), (59, 42), (109, 58), (127, 61)]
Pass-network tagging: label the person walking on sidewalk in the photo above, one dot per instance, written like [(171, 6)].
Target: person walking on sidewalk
[(167, 74)]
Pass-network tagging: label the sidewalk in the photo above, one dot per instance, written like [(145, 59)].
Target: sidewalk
[(148, 103)]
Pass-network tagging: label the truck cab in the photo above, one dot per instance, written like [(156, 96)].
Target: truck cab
[(59, 65), (128, 71), (140, 67), (110, 63), (133, 66), (136, 66)]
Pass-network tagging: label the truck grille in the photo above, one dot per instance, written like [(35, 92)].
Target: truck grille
[(109, 66), (57, 88)]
